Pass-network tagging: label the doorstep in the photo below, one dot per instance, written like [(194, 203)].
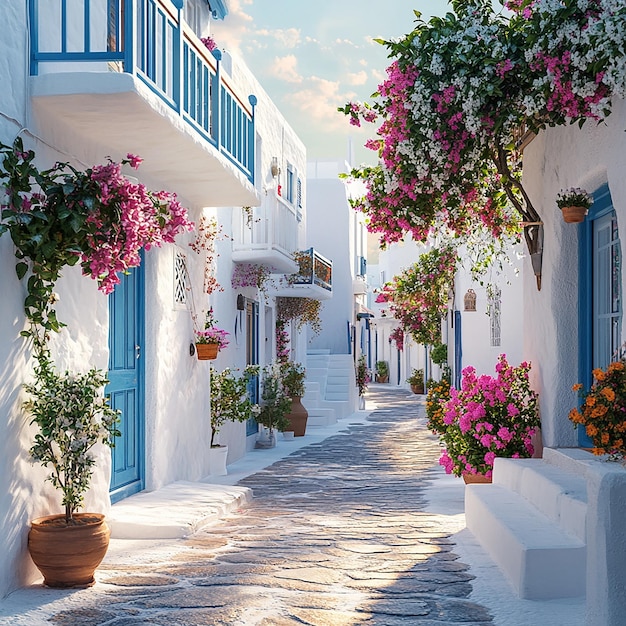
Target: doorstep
[(174, 511)]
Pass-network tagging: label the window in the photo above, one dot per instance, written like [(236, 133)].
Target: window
[(289, 192), (495, 305), (299, 193), (181, 280)]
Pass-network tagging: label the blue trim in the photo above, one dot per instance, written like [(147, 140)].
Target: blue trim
[(458, 350), (218, 9), (602, 205)]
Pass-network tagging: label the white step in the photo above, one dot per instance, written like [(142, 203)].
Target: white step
[(321, 417), (540, 559), (558, 494)]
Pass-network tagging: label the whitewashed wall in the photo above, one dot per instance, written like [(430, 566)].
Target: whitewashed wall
[(559, 159)]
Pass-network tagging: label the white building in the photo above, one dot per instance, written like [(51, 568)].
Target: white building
[(143, 82)]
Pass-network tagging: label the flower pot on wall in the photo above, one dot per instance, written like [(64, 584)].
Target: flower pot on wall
[(217, 460), (297, 417), (68, 556), (574, 214), (471, 479), (207, 351)]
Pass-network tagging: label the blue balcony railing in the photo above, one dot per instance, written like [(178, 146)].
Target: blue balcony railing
[(150, 40), (314, 270)]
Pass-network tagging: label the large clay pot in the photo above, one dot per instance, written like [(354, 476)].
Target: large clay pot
[(297, 417), (68, 556)]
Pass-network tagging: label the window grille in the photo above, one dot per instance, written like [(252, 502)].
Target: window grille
[(495, 306), (299, 192), (181, 280)]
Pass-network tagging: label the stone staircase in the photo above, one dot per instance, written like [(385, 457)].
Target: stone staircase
[(532, 522), (555, 527), (330, 387)]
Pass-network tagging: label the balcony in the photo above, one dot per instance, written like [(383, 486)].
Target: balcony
[(314, 278), (267, 235), (116, 76)]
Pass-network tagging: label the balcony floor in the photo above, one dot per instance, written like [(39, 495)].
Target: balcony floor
[(92, 115)]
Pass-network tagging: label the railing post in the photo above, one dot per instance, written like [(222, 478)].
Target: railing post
[(216, 109), (33, 15), (252, 140), (129, 36), (177, 56)]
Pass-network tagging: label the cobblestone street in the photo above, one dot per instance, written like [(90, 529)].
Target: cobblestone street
[(337, 535)]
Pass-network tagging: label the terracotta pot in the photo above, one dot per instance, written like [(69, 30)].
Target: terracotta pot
[(382, 379), (417, 389), (68, 556), (574, 214), (297, 417), (475, 478), (207, 351)]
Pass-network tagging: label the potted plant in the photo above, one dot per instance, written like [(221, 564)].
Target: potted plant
[(438, 395), (363, 379), (489, 417), (382, 371), (574, 204), (230, 401), (292, 377), (439, 354), (416, 380), (275, 405), (603, 410), (210, 339), (56, 218)]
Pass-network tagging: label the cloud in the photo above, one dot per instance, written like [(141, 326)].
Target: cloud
[(286, 68), (357, 78), (229, 34)]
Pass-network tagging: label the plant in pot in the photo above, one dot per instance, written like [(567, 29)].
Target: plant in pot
[(382, 371), (275, 404), (416, 380), (56, 218), (230, 401), (363, 379), (574, 204), (439, 354), (210, 339), (292, 377), (489, 417)]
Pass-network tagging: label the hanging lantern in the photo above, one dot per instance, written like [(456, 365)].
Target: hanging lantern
[(469, 300)]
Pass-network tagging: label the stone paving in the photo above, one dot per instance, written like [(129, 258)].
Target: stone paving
[(337, 535)]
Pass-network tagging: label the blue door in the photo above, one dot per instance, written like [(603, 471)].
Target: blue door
[(600, 296), (252, 356), (126, 383)]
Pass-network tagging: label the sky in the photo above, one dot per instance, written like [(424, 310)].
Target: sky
[(314, 56)]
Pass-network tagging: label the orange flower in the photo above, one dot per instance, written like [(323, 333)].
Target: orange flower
[(598, 451), (577, 387), (616, 366), (590, 401), (575, 416), (599, 374), (604, 439), (591, 430), (608, 393), (599, 411)]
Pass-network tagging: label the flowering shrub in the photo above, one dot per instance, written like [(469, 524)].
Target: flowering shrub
[(275, 403), (282, 342), (292, 378), (301, 310), (418, 296), (62, 216), (574, 197), (209, 231), (363, 377), (438, 395), (459, 88), (250, 275), (603, 410), (489, 417), (211, 333), (397, 336)]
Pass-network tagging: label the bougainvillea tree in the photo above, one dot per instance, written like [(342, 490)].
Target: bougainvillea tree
[(459, 90), (418, 296)]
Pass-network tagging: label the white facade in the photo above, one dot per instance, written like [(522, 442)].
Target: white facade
[(52, 114)]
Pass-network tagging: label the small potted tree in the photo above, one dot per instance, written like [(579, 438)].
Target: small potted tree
[(416, 380), (363, 379), (275, 405), (292, 377), (230, 401), (382, 372)]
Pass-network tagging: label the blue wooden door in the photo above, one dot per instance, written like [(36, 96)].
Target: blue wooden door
[(126, 383), (252, 356), (601, 293)]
